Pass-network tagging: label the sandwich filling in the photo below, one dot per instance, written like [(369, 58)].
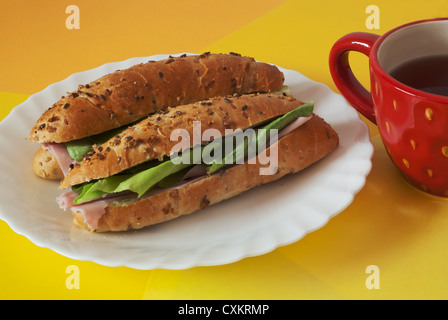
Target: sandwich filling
[(149, 178)]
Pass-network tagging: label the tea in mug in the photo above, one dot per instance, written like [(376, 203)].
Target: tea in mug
[(429, 74)]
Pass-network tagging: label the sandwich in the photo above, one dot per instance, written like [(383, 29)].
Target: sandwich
[(98, 110), (182, 159)]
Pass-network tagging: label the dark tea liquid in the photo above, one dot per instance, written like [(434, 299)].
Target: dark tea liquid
[(428, 74)]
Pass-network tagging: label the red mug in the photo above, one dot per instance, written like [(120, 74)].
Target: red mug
[(413, 124)]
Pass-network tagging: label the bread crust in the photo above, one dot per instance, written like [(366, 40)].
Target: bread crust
[(151, 138), (45, 165), (125, 96), (296, 151)]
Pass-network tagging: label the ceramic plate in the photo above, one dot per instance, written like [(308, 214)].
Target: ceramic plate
[(253, 223)]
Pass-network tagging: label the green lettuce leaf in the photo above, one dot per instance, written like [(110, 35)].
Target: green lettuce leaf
[(100, 188), (141, 182), (165, 173), (283, 90), (77, 148), (242, 148)]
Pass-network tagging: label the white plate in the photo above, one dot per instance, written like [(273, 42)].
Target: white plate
[(251, 224)]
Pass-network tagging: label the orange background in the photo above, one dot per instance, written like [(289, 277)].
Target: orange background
[(38, 49), (389, 224)]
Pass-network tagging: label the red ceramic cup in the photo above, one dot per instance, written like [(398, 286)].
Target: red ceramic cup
[(413, 124)]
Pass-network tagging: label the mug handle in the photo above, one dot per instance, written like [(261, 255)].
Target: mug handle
[(343, 76)]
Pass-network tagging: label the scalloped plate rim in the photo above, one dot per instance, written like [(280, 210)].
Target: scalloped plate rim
[(199, 260)]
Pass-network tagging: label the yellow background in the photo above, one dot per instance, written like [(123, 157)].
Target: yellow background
[(389, 224)]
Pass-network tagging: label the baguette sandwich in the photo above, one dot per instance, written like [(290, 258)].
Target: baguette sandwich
[(93, 113), (158, 169)]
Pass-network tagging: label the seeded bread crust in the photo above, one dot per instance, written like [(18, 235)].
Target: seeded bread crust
[(125, 96), (296, 151), (151, 138), (46, 166)]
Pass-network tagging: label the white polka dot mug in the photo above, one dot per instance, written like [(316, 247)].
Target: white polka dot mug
[(412, 118)]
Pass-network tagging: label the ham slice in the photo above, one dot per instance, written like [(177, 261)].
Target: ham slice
[(292, 126), (196, 171), (65, 200), (93, 210), (59, 150)]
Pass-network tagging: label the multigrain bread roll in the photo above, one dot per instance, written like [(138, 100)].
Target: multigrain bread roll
[(130, 181), (122, 97), (46, 166), (151, 138), (125, 96), (298, 150)]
